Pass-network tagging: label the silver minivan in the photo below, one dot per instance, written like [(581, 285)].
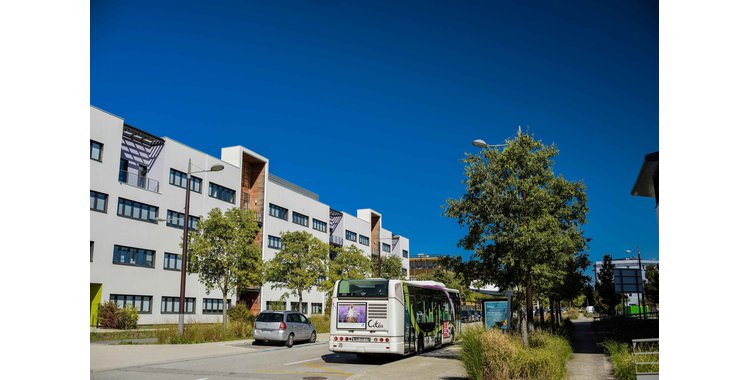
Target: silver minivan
[(283, 326)]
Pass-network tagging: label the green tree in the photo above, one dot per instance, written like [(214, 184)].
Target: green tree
[(299, 265), (609, 299), (223, 252), (651, 286), (348, 263), (387, 267), (524, 222)]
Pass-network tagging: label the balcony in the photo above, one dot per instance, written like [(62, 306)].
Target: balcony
[(133, 179), (336, 240)]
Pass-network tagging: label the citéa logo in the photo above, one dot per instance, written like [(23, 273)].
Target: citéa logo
[(374, 324)]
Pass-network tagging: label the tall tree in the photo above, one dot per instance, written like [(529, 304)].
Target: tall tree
[(223, 252), (651, 286), (605, 286), (348, 263), (524, 222), (299, 265), (388, 267)]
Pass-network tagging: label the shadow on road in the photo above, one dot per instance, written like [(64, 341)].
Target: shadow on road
[(340, 358), (584, 339)]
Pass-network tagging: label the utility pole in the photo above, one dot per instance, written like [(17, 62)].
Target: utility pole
[(641, 298)]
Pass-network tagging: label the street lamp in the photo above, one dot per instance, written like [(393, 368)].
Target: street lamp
[(641, 297), (214, 168), (483, 145)]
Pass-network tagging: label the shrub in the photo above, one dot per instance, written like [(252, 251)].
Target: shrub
[(207, 332), (108, 315), (321, 322), (622, 359), (490, 355), (571, 313), (127, 318), (472, 352), (239, 313)]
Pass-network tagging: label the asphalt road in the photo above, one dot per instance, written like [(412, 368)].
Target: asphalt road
[(303, 361)]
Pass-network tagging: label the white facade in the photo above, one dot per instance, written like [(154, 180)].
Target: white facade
[(141, 274), (108, 229)]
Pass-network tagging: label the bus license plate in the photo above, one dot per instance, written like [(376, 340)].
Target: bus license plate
[(358, 339)]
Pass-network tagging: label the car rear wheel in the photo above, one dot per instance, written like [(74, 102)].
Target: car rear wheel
[(290, 341), (313, 337)]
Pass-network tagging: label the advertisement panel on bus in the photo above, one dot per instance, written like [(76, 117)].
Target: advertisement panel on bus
[(352, 315)]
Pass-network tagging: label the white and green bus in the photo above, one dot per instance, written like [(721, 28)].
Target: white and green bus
[(371, 316)]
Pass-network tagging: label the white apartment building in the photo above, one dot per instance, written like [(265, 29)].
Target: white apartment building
[(137, 204)]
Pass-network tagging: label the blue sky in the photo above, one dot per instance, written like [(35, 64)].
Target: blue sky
[(373, 104)]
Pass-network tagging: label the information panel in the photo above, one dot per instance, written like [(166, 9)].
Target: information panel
[(497, 314)]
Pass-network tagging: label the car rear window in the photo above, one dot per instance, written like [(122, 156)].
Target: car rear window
[(270, 317)]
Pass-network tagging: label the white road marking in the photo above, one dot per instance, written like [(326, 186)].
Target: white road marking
[(303, 361)]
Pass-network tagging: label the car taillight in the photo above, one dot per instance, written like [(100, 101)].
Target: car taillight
[(381, 339), (283, 326), (387, 340), (335, 338), (347, 339)]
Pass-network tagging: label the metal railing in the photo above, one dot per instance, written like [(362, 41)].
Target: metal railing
[(645, 352), (136, 180), (337, 240)]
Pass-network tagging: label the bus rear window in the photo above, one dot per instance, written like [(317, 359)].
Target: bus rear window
[(363, 288)]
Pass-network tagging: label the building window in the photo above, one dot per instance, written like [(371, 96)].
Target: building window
[(300, 219), (141, 303), (319, 225), (92, 251), (274, 242), (96, 150), (98, 201), (275, 305), (316, 308), (123, 170), (219, 192), (214, 305), (138, 257), (350, 235), (363, 240), (295, 307), (136, 210), (385, 247), (405, 254), (172, 261), (177, 220), (170, 305), (179, 179), (279, 212)]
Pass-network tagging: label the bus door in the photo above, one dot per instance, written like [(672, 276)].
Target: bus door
[(409, 333)]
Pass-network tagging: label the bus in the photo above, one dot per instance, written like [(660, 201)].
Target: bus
[(380, 316)]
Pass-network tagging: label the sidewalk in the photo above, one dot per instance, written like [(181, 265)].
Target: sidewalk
[(439, 364), (588, 361)]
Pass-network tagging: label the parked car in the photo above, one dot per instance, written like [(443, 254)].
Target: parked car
[(476, 315), (283, 326), (465, 316)]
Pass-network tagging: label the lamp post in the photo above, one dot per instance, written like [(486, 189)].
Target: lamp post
[(214, 168), (641, 296)]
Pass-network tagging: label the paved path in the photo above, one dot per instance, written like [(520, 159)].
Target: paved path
[(588, 361)]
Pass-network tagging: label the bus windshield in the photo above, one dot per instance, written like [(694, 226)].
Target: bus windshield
[(363, 288)]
